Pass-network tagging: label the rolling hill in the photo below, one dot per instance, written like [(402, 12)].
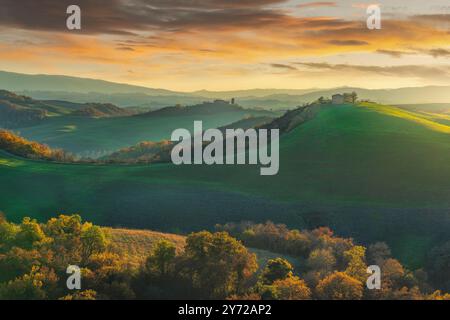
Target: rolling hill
[(40, 82), (22, 111), (216, 107), (134, 245), (374, 172), (101, 110), (13, 115), (94, 137), (157, 152), (439, 112), (82, 90)]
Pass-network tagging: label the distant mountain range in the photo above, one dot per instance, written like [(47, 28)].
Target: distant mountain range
[(40, 82), (83, 90)]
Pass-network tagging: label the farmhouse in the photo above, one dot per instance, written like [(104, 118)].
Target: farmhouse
[(344, 98)]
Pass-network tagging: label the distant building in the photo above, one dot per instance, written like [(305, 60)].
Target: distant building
[(337, 99)]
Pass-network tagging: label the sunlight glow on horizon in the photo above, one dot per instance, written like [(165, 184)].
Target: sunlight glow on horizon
[(280, 44)]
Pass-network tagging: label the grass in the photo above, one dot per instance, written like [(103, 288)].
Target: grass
[(98, 136), (136, 245), (438, 112), (263, 256), (368, 171), (421, 118)]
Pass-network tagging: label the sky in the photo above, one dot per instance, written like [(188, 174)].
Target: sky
[(189, 45)]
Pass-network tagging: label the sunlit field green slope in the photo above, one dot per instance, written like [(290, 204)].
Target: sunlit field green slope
[(95, 137), (368, 171)]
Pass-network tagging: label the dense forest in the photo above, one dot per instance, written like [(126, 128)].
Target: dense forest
[(34, 258)]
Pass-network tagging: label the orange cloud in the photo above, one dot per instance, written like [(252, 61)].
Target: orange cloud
[(175, 40)]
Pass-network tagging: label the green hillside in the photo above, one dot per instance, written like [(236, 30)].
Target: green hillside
[(50, 108), (96, 137), (99, 110), (41, 82), (374, 172), (439, 112)]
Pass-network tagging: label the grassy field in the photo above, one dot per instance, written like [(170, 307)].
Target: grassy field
[(368, 171), (135, 245), (439, 112), (98, 136)]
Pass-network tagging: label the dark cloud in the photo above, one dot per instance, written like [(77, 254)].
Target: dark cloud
[(125, 48), (415, 71), (120, 17), (393, 53), (436, 53), (348, 42), (211, 4), (436, 20), (283, 66), (439, 52), (100, 16), (444, 17)]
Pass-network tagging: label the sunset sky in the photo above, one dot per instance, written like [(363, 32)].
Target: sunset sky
[(231, 44)]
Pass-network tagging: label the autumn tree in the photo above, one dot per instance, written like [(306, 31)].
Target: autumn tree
[(17, 262), (321, 260), (35, 285), (438, 295), (30, 233), (217, 264), (339, 286), (8, 233), (81, 295), (439, 266), (356, 266), (161, 258), (291, 288), (93, 240), (377, 253), (276, 269)]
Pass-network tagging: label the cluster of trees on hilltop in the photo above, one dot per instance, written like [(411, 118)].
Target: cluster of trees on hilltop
[(34, 258), (19, 146), (143, 152)]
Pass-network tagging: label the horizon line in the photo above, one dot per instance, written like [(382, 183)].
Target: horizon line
[(214, 91)]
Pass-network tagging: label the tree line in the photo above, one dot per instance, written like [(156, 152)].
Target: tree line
[(212, 265), (22, 147)]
